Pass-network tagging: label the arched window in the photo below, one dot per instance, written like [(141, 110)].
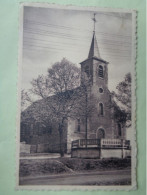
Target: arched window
[(101, 90), (38, 128), (78, 129), (101, 109), (100, 133), (119, 129), (48, 129), (100, 71), (77, 125)]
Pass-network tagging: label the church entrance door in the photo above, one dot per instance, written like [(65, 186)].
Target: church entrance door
[(100, 133)]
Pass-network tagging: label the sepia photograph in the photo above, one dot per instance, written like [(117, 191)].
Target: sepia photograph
[(76, 124)]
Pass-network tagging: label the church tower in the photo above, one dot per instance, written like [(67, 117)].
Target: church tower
[(100, 122), (94, 70)]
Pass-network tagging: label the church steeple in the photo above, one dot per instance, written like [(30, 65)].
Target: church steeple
[(94, 50), (94, 68)]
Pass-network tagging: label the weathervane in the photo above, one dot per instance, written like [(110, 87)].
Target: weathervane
[(94, 21)]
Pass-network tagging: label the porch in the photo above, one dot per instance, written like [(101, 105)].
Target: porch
[(101, 148), (103, 143)]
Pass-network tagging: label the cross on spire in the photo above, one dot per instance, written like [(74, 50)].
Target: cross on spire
[(94, 20), (94, 50)]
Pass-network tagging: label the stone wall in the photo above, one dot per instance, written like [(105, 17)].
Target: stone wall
[(45, 148), (85, 153), (100, 153), (111, 153), (44, 141), (24, 148), (115, 153), (73, 134)]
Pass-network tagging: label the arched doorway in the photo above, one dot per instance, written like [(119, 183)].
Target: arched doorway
[(100, 133)]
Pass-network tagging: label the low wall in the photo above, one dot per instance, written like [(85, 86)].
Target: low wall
[(24, 148), (115, 153), (100, 153), (85, 153), (46, 148), (111, 153), (42, 148), (33, 149), (126, 153)]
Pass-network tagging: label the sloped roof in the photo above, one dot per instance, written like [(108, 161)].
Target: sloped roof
[(94, 50), (42, 105)]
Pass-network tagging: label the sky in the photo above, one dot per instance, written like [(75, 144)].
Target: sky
[(51, 34)]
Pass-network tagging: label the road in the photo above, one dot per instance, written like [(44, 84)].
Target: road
[(43, 156), (113, 177)]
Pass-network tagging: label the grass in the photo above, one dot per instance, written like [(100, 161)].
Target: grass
[(35, 167), (95, 164)]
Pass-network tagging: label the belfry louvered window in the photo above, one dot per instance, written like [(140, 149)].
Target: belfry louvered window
[(87, 70), (100, 71)]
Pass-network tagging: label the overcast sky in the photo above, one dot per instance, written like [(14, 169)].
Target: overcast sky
[(51, 34)]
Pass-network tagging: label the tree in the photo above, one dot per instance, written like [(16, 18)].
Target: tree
[(60, 92), (86, 105), (25, 100), (123, 97)]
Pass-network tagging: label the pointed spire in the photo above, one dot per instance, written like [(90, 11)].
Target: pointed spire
[(94, 50)]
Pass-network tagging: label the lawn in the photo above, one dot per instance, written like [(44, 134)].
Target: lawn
[(36, 167)]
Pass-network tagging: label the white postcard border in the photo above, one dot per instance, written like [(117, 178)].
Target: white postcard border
[(133, 186)]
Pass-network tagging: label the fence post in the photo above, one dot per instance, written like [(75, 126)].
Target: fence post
[(100, 143), (122, 145)]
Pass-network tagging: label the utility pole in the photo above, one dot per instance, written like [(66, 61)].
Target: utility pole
[(86, 128), (86, 94)]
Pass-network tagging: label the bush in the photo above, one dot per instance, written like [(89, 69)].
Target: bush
[(69, 165), (95, 164)]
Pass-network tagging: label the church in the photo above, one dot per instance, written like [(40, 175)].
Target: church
[(104, 123), (104, 129)]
